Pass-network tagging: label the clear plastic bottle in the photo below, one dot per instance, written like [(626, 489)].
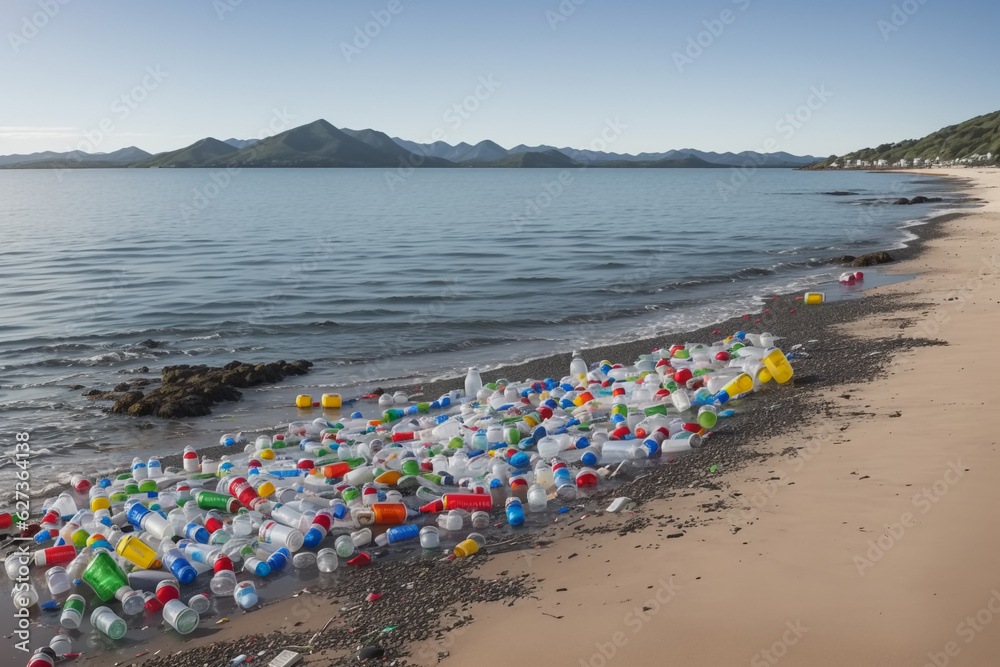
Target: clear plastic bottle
[(344, 546), (327, 560), (537, 498)]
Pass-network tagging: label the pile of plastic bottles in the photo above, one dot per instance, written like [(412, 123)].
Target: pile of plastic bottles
[(324, 493)]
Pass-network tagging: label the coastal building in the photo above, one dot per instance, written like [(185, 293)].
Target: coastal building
[(881, 163)]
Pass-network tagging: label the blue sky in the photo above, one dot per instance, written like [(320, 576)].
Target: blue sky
[(161, 75)]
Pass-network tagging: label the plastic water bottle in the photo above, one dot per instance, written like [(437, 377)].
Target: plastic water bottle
[(578, 368), (279, 559), (174, 560), (327, 560), (515, 513), (473, 382), (402, 533), (245, 594)]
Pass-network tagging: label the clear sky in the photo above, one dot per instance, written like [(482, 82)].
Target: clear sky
[(161, 75)]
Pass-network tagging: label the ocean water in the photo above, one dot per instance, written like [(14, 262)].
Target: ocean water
[(377, 283)]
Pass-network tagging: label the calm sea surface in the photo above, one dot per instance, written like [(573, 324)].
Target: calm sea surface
[(454, 267)]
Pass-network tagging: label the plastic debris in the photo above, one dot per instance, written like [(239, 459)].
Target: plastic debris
[(410, 474)]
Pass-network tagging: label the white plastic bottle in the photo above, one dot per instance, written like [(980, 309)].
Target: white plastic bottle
[(473, 382)]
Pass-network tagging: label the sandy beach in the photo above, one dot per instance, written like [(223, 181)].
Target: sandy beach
[(846, 520), (869, 538)]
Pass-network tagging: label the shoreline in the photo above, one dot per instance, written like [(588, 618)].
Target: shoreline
[(731, 449)]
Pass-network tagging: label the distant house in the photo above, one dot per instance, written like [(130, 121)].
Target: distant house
[(903, 163), (917, 161), (881, 163)]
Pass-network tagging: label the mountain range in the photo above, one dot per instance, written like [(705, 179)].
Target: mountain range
[(320, 144)]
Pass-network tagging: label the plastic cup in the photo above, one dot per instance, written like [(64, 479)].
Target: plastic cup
[(42, 657), (61, 644), (106, 621), (57, 580), (344, 546), (200, 603), (429, 537), (245, 594), (223, 583), (13, 563), (132, 601), (327, 559), (304, 560), (24, 598), (180, 617)]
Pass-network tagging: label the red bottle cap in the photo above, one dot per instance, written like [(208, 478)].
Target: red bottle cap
[(222, 562)]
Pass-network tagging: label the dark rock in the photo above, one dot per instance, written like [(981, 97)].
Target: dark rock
[(94, 392), (126, 400), (191, 391), (121, 386), (75, 387), (371, 653), (902, 201), (151, 344), (872, 259), (843, 259)]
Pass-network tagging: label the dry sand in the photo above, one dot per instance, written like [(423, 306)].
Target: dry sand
[(876, 544)]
